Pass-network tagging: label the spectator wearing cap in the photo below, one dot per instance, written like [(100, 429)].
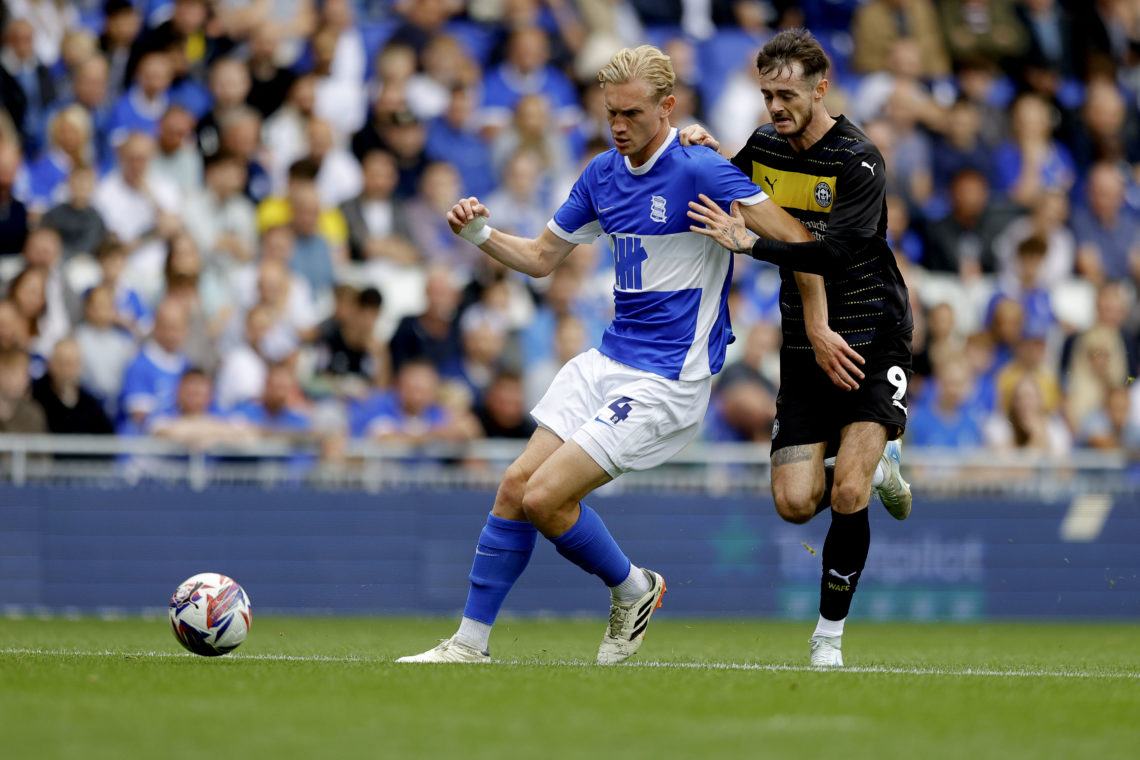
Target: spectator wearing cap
[(19, 60), (402, 134)]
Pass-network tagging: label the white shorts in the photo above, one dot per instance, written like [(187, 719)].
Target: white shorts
[(626, 419)]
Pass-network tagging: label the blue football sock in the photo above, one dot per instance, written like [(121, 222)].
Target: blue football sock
[(590, 546), (502, 554)]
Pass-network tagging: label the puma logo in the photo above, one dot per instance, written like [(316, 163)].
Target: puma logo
[(845, 578), (771, 183), (871, 167)]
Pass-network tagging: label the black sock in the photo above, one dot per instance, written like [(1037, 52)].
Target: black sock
[(828, 482), (844, 555)]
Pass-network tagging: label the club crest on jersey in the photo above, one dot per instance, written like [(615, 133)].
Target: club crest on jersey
[(823, 195), (657, 208)]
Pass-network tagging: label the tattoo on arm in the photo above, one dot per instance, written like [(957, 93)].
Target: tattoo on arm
[(791, 454), (741, 242)]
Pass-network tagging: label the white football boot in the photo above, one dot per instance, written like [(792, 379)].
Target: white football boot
[(894, 492), (628, 622), (826, 651), (449, 650)]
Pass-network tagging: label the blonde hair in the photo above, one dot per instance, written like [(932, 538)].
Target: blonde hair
[(646, 63)]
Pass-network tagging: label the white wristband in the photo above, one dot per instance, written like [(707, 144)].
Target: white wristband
[(476, 231)]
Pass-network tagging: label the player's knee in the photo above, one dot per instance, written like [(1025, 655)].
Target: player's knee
[(539, 503), (850, 494), (796, 504), (512, 488)]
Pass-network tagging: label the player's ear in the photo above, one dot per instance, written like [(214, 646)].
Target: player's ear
[(821, 88), (667, 104)]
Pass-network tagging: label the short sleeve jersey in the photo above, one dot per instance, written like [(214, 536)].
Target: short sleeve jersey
[(836, 188), (671, 284)]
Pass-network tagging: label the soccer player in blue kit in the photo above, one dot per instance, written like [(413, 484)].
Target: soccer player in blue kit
[(639, 398)]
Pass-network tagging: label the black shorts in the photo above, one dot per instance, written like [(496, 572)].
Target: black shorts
[(811, 409)]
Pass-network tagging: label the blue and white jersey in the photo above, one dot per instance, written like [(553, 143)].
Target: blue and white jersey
[(671, 285)]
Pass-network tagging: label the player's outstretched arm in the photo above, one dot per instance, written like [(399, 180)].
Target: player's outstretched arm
[(832, 353), (536, 257)]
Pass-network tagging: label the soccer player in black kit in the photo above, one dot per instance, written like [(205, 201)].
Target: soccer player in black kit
[(841, 396)]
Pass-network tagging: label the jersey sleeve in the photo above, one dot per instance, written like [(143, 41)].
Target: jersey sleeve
[(860, 189), (723, 181), (576, 220)]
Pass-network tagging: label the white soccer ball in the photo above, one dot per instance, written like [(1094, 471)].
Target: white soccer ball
[(210, 614)]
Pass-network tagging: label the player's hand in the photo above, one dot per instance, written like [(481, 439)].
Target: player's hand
[(465, 211), (695, 134), (727, 229), (836, 358)]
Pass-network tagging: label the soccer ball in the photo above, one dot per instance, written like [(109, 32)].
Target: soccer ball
[(210, 614)]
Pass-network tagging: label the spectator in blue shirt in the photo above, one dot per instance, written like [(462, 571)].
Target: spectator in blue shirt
[(140, 108), (527, 71), (1032, 161), (275, 414), (1107, 233), (312, 257), (411, 413), (151, 380), (946, 417), (453, 137)]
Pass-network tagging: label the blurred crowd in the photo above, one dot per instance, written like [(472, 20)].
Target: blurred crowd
[(223, 220)]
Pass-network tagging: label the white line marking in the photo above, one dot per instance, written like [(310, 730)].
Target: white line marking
[(1085, 518), (744, 666)]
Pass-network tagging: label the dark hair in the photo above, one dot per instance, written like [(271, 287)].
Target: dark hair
[(370, 298), (1033, 246), (793, 46)]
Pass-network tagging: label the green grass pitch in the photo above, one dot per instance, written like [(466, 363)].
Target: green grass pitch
[(327, 688)]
